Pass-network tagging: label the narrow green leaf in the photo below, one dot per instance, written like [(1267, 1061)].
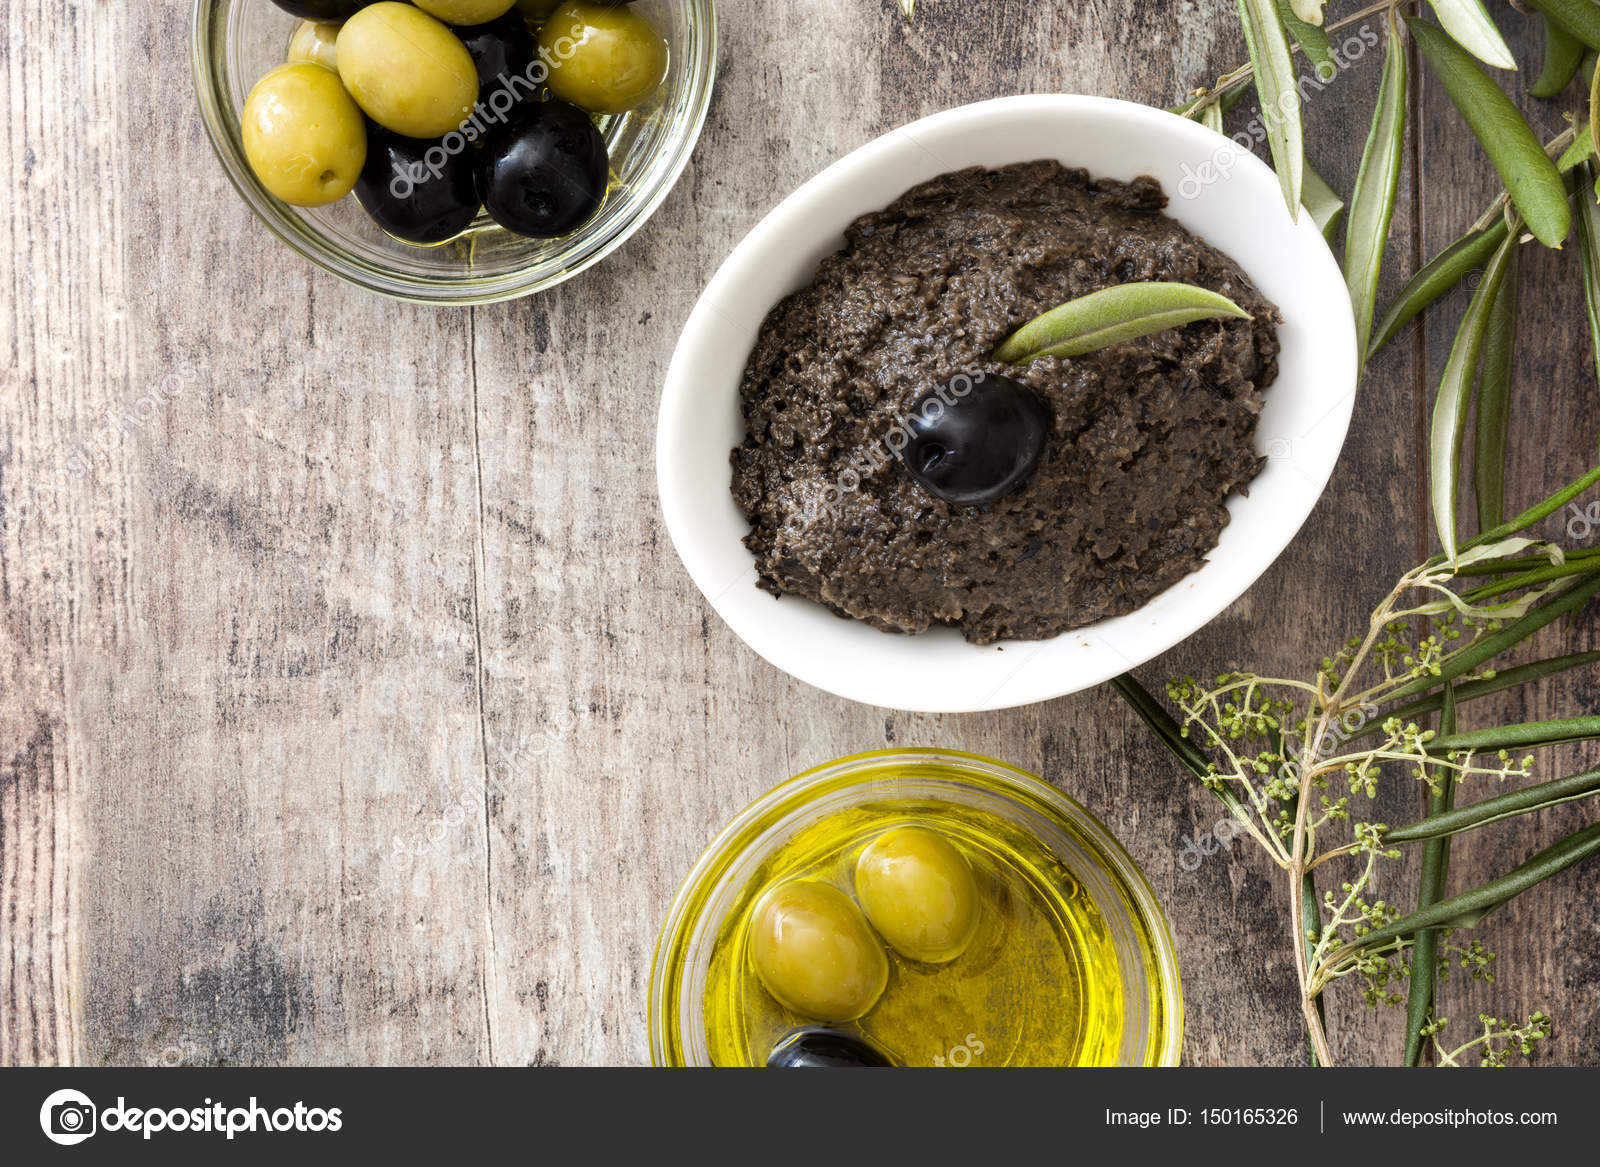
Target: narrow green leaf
[(1280, 96), (1465, 691), (1539, 511), (1563, 53), (1455, 389), (1579, 18), (1211, 116), (1310, 37), (1499, 808), (1322, 202), (1372, 203), (1589, 254), (1533, 578), (1441, 273), (1488, 647), (908, 8), (1529, 735), (1529, 175), (1582, 148), (1111, 315), (1430, 890), (1469, 908), (1470, 26), (1494, 400)]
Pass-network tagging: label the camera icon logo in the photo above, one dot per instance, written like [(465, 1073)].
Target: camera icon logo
[(67, 1117)]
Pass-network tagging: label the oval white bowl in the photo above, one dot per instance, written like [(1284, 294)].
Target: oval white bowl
[(1227, 196)]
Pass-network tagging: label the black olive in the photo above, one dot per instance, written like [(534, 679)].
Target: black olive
[(806, 1049), (415, 188), (500, 48), (975, 439), (543, 172), (323, 10)]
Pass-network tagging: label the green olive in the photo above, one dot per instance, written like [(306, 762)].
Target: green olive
[(815, 953), (465, 11), (315, 43), (919, 893), (409, 73), (606, 60), (303, 136)]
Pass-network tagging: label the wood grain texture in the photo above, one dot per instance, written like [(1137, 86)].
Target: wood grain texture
[(353, 704)]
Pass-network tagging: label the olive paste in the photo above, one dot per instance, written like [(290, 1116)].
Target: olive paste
[(1144, 442)]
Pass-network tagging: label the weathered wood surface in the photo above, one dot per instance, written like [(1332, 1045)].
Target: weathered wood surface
[(289, 574)]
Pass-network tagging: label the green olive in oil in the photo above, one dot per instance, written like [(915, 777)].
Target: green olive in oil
[(1013, 965)]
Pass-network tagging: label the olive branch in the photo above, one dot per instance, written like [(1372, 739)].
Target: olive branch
[(1288, 757)]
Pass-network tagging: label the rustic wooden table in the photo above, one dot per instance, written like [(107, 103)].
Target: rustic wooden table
[(293, 577)]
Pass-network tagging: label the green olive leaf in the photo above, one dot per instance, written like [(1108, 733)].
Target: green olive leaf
[(1494, 400), (1211, 116), (1111, 315), (1530, 177), (1310, 37), (908, 8), (1589, 253), (1455, 393), (1441, 273), (1372, 202), (1280, 96), (1580, 18), (1563, 53), (1582, 148), (1470, 27), (1321, 202)]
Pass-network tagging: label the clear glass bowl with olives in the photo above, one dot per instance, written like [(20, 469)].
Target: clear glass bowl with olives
[(915, 908), (606, 167)]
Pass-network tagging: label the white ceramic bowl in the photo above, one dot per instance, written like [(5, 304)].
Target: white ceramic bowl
[(1240, 211)]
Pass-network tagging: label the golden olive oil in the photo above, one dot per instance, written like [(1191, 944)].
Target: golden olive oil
[(1037, 985)]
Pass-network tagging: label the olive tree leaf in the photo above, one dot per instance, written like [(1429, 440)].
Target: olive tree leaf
[(1280, 97), (1311, 38), (1455, 393), (1430, 890), (1470, 907), (1211, 116), (1111, 315), (908, 9), (1580, 18), (1581, 150), (1530, 177), (1436, 277), (1498, 808), (1563, 53), (1470, 27), (1527, 736), (1309, 11), (1494, 400), (1589, 254), (1321, 202), (1372, 202)]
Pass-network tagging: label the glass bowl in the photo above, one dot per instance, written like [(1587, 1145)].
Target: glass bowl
[(233, 42), (1152, 1027)]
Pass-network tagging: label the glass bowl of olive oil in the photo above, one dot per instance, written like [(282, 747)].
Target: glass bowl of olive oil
[(1070, 962)]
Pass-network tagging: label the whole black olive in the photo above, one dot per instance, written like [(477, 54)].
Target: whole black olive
[(415, 188), (813, 1048), (975, 439), (323, 10), (543, 172), (500, 48)]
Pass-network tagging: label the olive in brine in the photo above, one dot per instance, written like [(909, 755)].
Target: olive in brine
[(919, 893), (500, 48), (407, 72), (465, 11), (315, 44), (817, 1048), (303, 136), (815, 953), (606, 60), (543, 173), (323, 10), (416, 189)]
